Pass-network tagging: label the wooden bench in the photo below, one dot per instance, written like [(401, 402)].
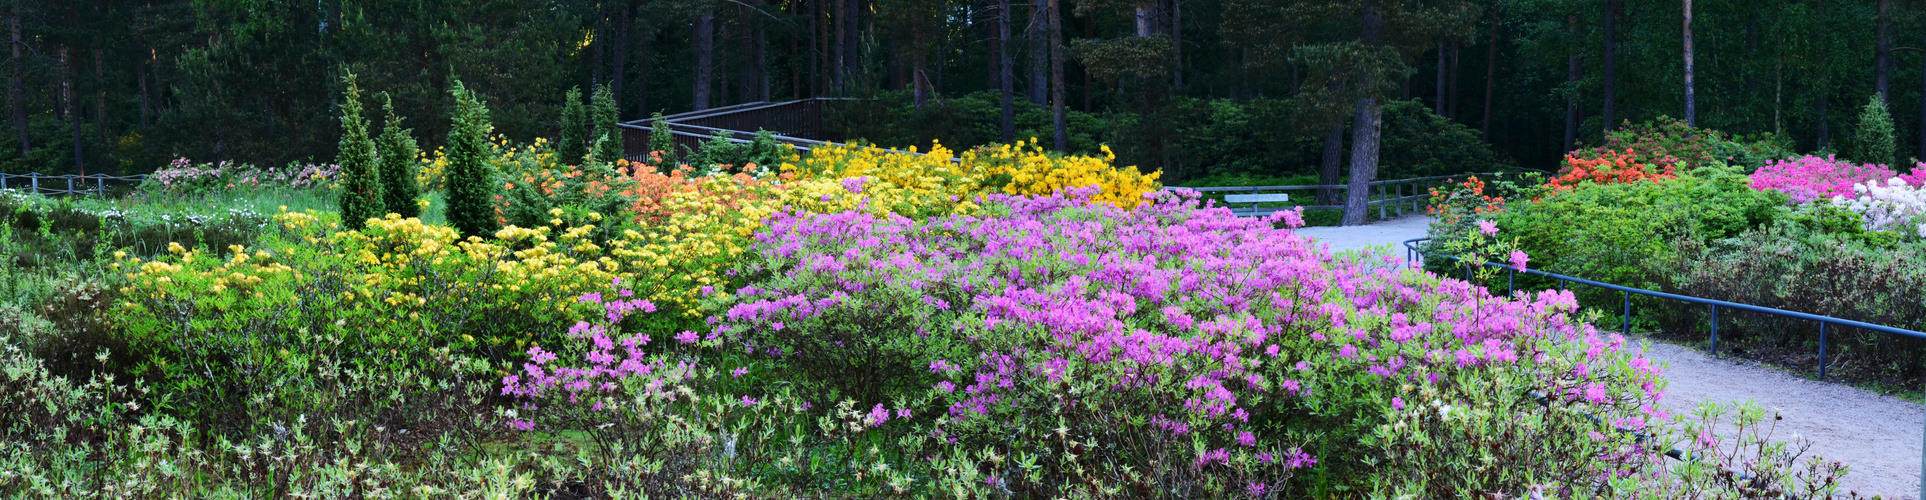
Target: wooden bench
[(1255, 199)]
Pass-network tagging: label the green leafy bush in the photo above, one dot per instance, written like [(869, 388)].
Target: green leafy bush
[(1615, 232), (1419, 143), (1816, 261), (1669, 141)]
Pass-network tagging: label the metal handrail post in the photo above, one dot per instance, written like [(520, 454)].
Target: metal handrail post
[(1822, 350), (1627, 316), (1714, 348)]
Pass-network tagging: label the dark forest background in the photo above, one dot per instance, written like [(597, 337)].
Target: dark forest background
[(1195, 87)]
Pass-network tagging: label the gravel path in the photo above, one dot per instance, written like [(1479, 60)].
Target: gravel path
[(1879, 437), (1391, 232)]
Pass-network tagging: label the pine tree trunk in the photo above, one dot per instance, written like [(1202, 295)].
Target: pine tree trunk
[(761, 59), (1451, 108), (66, 71), (595, 47), (1691, 108), (1364, 161), (918, 59), (1825, 78), (995, 60), (621, 41), (841, 18), (1491, 69), (705, 58), (141, 76), (1330, 167), (1610, 90), (1056, 78), (746, 55), (1177, 43), (1883, 51), (1365, 130), (17, 91), (1006, 68), (1438, 106), (850, 44), (100, 93), (1089, 80), (1039, 54), (820, 85), (642, 72), (1572, 74)]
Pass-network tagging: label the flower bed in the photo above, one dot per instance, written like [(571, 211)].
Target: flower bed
[(854, 324)]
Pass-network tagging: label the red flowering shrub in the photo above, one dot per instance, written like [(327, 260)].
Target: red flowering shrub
[(1612, 167)]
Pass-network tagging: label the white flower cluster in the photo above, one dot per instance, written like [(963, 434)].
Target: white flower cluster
[(1892, 205)]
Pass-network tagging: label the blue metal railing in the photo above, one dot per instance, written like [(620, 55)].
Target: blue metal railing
[(1391, 197), (1414, 254)]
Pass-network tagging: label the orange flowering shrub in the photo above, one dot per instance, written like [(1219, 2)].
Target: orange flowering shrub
[(1612, 167), (1467, 198)]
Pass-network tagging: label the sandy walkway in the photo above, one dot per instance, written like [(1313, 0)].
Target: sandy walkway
[(1878, 436)]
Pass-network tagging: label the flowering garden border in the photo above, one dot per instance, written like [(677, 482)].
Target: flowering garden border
[(1414, 253)]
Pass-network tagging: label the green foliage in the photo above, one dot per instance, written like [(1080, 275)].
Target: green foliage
[(1668, 141), (1136, 56), (471, 174), (662, 141), (892, 120), (719, 154), (1817, 261), (602, 116), (572, 144), (1615, 232), (1419, 143), (362, 197), (399, 163), (1872, 141)]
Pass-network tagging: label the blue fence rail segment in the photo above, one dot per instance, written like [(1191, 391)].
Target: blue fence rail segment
[(1391, 197), (1414, 254), (69, 184)]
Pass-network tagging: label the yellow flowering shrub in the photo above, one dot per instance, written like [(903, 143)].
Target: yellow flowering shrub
[(397, 277), (1011, 169), (1032, 172)]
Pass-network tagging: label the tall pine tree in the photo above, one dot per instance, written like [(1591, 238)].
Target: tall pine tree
[(602, 113), (361, 193), (471, 178), (398, 151), (1872, 140), (573, 143)]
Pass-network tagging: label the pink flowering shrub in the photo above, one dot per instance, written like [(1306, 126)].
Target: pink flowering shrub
[(182, 175), (1051, 347), (1813, 178)]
